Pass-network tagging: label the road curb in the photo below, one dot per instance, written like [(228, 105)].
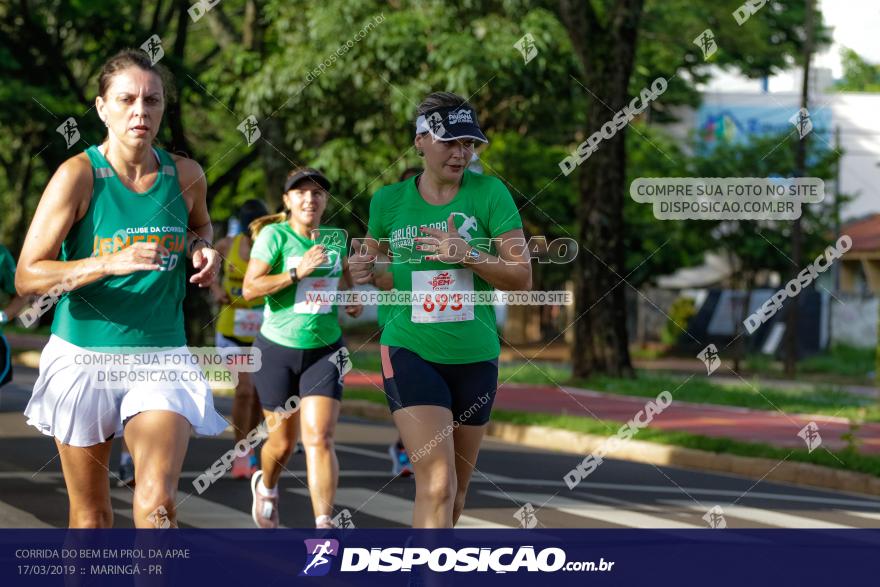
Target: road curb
[(802, 474)]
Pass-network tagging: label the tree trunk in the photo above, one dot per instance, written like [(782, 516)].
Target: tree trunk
[(740, 350), (607, 53), (276, 162), (23, 188), (179, 143), (791, 318)]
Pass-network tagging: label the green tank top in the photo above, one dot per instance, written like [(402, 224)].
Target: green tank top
[(144, 308)]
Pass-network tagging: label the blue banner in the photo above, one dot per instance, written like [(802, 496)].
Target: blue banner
[(439, 557)]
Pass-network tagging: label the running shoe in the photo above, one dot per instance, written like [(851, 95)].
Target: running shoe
[(244, 467), (126, 473), (265, 508), (400, 464)]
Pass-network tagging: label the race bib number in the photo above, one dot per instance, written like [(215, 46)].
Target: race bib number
[(313, 295), (247, 322), (438, 296)]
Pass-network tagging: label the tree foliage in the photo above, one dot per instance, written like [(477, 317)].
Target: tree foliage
[(335, 85)]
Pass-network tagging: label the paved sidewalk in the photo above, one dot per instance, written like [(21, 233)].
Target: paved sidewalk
[(770, 427)]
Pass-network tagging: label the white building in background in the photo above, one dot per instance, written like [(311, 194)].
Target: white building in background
[(734, 108), (734, 115)]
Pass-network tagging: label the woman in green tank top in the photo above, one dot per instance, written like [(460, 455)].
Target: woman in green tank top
[(112, 231)]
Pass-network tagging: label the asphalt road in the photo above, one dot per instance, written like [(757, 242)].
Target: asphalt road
[(509, 481)]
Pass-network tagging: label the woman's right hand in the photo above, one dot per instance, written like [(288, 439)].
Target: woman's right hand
[(314, 258), (139, 256), (360, 263)]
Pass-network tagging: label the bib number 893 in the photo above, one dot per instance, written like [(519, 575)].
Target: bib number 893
[(441, 302)]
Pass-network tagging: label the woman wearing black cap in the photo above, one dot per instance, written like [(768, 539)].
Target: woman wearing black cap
[(238, 322), (303, 357), (450, 232)]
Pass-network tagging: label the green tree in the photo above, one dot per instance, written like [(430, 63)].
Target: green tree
[(757, 248), (621, 47), (50, 57), (858, 74)]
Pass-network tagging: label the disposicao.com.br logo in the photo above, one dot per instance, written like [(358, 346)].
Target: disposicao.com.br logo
[(469, 559)]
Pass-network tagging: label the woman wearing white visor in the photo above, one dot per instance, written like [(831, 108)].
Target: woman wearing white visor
[(450, 232)]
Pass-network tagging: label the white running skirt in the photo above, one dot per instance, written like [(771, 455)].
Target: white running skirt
[(83, 397)]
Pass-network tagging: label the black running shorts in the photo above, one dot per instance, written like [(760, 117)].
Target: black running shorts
[(467, 390), (286, 371)]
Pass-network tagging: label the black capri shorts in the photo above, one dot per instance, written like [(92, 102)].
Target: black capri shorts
[(467, 389), (5, 361), (286, 371)]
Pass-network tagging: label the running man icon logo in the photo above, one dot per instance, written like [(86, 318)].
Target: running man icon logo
[(715, 518), (810, 434), (250, 130), (69, 131), (526, 516), (342, 361), (343, 520), (159, 518), (710, 358), (706, 43), (330, 237), (526, 46), (333, 239), (153, 48), (319, 556), (801, 121), (435, 125)]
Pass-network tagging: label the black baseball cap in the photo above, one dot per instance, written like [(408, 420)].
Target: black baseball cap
[(451, 123), (250, 211), (307, 173)]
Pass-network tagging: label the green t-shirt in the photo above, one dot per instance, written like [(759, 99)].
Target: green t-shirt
[(295, 317), (381, 315), (7, 274), (440, 329)]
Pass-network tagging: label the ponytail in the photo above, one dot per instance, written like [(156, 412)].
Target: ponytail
[(257, 225)]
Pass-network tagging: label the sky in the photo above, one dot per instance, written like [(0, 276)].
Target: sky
[(855, 25)]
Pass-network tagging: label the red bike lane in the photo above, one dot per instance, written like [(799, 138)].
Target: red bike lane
[(774, 427)]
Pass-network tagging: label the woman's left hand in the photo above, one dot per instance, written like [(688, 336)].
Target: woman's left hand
[(447, 246), (208, 261)]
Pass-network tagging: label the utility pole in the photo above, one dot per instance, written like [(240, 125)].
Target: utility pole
[(791, 323), (835, 269)]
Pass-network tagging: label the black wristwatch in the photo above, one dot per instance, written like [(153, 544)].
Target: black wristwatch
[(293, 277), (194, 242)]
